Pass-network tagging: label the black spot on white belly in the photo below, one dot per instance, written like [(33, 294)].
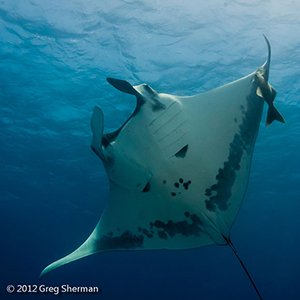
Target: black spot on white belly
[(127, 240), (162, 235), (186, 184), (180, 184), (192, 226), (147, 233)]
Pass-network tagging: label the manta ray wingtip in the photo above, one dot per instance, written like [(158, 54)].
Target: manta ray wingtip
[(54, 265), (266, 65), (266, 39), (45, 272)]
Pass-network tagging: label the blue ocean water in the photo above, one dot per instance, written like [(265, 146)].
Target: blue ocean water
[(54, 60)]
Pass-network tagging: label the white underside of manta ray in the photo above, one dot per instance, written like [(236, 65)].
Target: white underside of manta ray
[(179, 166)]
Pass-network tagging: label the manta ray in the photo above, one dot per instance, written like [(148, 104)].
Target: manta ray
[(178, 168)]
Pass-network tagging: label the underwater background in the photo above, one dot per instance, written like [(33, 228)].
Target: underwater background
[(54, 60)]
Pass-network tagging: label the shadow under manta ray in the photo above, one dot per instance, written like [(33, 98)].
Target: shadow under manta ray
[(178, 168)]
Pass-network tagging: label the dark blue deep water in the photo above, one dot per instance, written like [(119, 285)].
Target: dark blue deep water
[(54, 60)]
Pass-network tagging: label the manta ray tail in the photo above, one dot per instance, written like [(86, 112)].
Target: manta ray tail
[(244, 267), (273, 114)]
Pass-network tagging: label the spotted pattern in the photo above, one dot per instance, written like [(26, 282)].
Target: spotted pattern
[(192, 226), (220, 193), (180, 184), (127, 240), (146, 232)]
